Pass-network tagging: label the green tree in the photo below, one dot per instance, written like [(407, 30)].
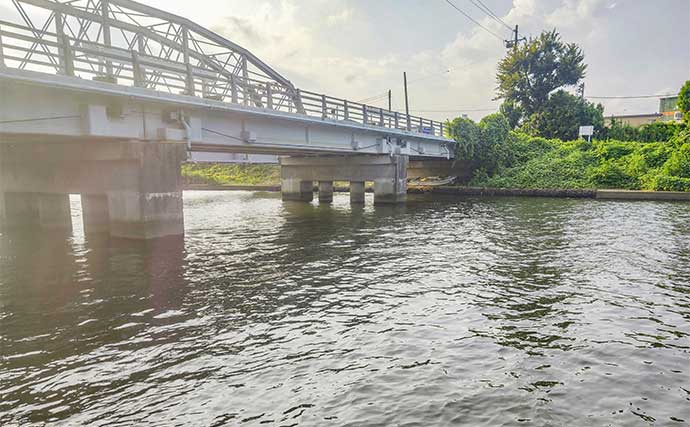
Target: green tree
[(684, 101), (484, 144), (529, 73), (468, 135), (562, 115), (512, 112)]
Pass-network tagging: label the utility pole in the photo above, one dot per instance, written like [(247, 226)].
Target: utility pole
[(390, 99), (407, 103), (516, 40)]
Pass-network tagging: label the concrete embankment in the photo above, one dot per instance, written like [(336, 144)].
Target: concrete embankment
[(642, 195), (479, 191)]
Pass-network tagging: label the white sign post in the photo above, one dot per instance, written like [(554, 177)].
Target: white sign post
[(587, 131)]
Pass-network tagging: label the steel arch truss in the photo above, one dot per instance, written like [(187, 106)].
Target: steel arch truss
[(122, 40)]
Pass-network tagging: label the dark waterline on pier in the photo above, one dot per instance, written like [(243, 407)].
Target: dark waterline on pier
[(479, 311)]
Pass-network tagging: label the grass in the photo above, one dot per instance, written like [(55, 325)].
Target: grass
[(230, 174)]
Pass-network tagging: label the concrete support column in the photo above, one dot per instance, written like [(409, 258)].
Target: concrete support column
[(3, 214), (325, 191), (147, 201), (357, 191), (95, 213), (393, 188), (54, 211), (20, 210), (297, 189)]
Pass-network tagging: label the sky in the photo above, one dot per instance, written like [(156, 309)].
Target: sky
[(358, 49)]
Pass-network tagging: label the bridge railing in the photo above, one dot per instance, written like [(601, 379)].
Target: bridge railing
[(24, 47)]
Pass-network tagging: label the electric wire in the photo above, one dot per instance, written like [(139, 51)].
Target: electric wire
[(473, 20), (484, 8), (631, 97)]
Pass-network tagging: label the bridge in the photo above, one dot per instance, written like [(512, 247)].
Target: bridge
[(106, 98)]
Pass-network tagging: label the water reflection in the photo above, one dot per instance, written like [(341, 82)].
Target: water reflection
[(477, 311)]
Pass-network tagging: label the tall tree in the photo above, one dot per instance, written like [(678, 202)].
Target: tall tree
[(562, 115), (530, 72)]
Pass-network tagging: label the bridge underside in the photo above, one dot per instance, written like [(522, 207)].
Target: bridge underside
[(121, 149)]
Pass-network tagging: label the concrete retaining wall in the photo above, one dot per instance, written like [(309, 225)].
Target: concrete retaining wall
[(478, 191)]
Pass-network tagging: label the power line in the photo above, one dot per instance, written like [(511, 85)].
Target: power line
[(473, 20), (631, 97), (484, 8), (457, 110)]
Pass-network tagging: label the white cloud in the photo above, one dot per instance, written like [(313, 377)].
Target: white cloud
[(340, 17)]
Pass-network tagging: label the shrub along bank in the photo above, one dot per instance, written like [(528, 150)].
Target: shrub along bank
[(533, 162)]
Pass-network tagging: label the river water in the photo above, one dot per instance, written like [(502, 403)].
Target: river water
[(478, 311)]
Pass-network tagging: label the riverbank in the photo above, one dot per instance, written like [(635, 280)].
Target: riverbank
[(602, 194)]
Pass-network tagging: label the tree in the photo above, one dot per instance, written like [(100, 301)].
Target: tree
[(529, 73), (562, 115), (483, 144), (684, 101)]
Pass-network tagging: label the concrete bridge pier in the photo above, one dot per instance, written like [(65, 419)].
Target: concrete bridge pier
[(357, 192), (24, 209), (389, 174), (131, 189)]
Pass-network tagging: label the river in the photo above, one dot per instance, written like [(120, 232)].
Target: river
[(475, 311)]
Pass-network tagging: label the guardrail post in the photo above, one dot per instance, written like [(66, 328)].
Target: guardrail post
[(441, 126), (189, 83), (347, 110), (396, 119), (136, 70), (409, 123), (69, 56), (105, 27), (141, 46), (269, 96), (365, 114), (233, 89), (2, 52), (421, 124), (381, 117), (59, 31)]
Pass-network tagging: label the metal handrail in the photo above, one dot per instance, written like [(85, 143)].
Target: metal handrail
[(95, 60)]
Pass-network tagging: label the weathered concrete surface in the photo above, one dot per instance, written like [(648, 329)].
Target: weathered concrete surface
[(298, 190), (357, 191), (20, 210), (325, 191), (389, 173), (642, 195), (141, 181), (54, 211), (95, 212), (523, 192), (427, 168)]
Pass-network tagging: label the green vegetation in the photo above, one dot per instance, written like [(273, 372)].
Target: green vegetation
[(230, 174), (657, 131), (531, 81), (543, 152), (526, 161)]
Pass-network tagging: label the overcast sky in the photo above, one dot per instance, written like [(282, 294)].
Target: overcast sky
[(359, 48)]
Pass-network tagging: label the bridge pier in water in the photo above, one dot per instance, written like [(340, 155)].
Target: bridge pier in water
[(129, 189), (388, 172)]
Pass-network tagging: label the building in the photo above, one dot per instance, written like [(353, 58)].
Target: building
[(668, 112), (668, 108), (634, 120)]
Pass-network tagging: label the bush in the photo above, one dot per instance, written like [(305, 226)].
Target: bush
[(541, 163)]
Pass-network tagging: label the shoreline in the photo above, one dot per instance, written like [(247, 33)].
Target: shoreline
[(602, 194)]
